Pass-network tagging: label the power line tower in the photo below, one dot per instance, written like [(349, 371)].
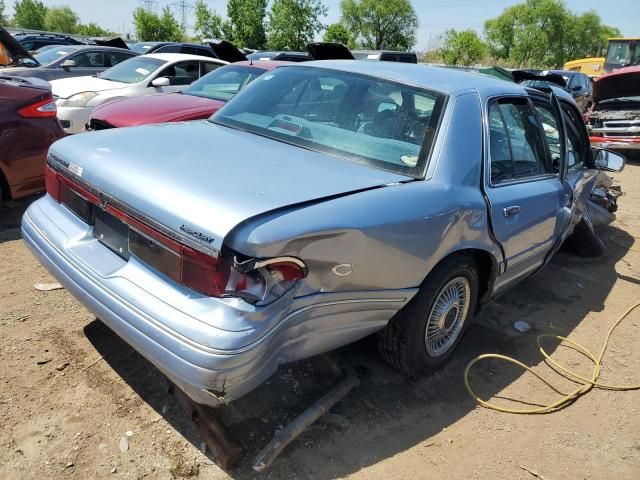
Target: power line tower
[(183, 7), (149, 5)]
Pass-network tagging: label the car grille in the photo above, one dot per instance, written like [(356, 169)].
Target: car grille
[(95, 124)]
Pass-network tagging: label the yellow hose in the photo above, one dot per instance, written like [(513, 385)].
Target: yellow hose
[(587, 383)]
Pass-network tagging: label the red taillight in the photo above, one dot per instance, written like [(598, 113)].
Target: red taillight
[(42, 109), (52, 182), (203, 273)]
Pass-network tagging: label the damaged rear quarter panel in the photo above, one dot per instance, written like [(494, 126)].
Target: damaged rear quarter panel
[(389, 237)]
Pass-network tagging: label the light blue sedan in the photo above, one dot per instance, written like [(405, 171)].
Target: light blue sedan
[(326, 202)]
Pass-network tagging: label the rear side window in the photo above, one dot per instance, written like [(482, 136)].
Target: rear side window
[(114, 58), (517, 149), (168, 49)]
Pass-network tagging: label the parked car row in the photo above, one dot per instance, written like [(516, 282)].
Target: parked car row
[(327, 201)]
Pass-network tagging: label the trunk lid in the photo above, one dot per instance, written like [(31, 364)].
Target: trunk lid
[(159, 108), (622, 83), (16, 52), (201, 180), (227, 51)]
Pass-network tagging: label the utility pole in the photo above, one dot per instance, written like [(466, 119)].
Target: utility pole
[(149, 5), (183, 6)]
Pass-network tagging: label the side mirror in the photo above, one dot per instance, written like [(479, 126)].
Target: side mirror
[(67, 64), (609, 160), (160, 82)]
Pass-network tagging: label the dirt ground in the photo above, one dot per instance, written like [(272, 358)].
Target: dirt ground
[(70, 389)]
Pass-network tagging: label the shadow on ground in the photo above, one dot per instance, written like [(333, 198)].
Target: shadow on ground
[(11, 215), (389, 413)]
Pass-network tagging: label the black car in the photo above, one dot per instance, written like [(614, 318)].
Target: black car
[(577, 84), (61, 61), (386, 56), (33, 41), (173, 47)]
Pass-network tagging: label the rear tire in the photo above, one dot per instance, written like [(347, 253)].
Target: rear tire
[(423, 335)]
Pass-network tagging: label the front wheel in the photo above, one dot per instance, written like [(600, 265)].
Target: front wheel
[(424, 334)]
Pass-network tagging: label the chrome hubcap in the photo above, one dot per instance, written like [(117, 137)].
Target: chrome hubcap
[(447, 316)]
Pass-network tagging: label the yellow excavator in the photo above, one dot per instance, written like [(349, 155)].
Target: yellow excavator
[(621, 52)]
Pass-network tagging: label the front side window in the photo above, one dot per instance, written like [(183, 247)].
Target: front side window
[(224, 83), (133, 70), (364, 119), (88, 59), (516, 145), (183, 73)]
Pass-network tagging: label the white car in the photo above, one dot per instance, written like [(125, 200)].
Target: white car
[(143, 75)]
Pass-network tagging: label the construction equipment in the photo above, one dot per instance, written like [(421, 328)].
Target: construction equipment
[(620, 52)]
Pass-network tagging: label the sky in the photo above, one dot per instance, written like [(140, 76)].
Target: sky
[(434, 16)]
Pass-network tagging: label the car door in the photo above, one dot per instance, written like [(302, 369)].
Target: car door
[(524, 189)]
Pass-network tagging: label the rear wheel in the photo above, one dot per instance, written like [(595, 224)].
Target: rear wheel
[(424, 334)]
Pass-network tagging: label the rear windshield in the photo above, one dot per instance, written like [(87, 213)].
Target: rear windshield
[(224, 83), (364, 119), (50, 55), (133, 70)]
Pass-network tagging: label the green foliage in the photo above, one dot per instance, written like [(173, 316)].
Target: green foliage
[(544, 33), (208, 22), (61, 19), (29, 14), (337, 32), (246, 23), (152, 27), (94, 30), (462, 48), (381, 24), (4, 21), (294, 23)]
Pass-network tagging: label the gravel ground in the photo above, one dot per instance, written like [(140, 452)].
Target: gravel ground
[(77, 402)]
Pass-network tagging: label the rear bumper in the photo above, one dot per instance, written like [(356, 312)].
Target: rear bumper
[(187, 349)]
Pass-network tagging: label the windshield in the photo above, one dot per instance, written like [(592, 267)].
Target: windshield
[(224, 83), (133, 70), (52, 54), (364, 119), (540, 83), (623, 53)]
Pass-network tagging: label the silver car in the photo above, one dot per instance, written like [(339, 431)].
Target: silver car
[(326, 202)]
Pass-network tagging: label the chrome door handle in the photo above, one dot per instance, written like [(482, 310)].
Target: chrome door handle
[(510, 211)]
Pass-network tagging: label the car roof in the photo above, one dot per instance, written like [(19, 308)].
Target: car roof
[(176, 57), (99, 47), (443, 80), (266, 64)]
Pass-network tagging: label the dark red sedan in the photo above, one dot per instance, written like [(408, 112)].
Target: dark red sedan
[(198, 101), (28, 126)]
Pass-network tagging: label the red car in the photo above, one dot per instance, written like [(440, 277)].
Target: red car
[(28, 126), (198, 101), (614, 119)]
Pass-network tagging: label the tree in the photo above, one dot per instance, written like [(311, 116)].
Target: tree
[(294, 23), (151, 27), (337, 32), (61, 19), (381, 24), (4, 21), (544, 33), (462, 48), (29, 14), (94, 30), (208, 22), (246, 22)]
